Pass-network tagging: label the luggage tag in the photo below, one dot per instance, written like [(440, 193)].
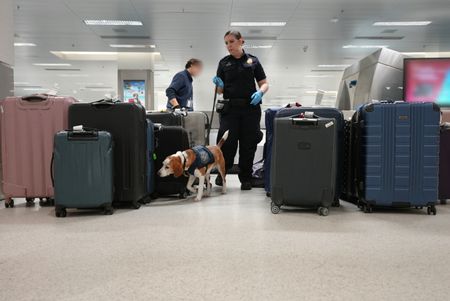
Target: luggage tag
[(329, 124)]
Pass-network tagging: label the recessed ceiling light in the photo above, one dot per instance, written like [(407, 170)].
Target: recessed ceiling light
[(113, 22), (24, 45), (333, 66), (258, 46), (334, 20), (152, 46), (52, 64), (364, 46), (258, 24), (401, 23)]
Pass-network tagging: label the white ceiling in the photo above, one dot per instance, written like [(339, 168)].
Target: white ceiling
[(184, 29)]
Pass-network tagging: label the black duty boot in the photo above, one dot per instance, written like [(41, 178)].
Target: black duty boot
[(246, 186), (219, 181)]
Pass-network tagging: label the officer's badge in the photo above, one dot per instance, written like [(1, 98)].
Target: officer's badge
[(249, 61)]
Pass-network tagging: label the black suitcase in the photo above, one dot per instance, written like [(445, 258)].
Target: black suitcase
[(166, 118), (325, 112), (304, 163), (128, 126), (168, 141)]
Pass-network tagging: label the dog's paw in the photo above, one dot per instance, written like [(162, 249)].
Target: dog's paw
[(197, 200)]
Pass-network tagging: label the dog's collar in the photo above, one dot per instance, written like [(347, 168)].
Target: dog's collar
[(184, 158)]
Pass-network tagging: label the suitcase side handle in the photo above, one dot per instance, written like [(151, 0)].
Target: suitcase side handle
[(305, 121), (84, 135), (35, 98)]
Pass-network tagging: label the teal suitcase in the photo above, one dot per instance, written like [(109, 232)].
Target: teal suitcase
[(82, 171)]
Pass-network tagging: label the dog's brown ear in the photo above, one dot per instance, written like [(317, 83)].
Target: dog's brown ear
[(177, 167)]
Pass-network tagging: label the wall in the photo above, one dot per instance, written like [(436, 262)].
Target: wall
[(6, 32)]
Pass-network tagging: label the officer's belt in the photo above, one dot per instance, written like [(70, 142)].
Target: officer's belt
[(239, 102)]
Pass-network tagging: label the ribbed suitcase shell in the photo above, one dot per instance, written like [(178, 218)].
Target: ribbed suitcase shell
[(196, 124), (128, 126), (340, 125), (304, 162), (399, 153), (27, 131), (83, 170), (444, 164), (269, 116), (169, 140), (165, 118)]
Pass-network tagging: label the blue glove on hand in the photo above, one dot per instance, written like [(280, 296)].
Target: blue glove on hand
[(218, 82), (257, 98)]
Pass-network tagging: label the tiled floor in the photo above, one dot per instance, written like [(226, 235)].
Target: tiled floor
[(227, 247)]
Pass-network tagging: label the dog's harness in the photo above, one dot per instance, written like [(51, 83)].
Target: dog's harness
[(203, 157)]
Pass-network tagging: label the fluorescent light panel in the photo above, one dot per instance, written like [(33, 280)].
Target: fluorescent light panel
[(258, 46), (53, 64), (113, 22), (428, 54), (131, 46), (24, 45), (403, 23), (364, 46), (258, 24)]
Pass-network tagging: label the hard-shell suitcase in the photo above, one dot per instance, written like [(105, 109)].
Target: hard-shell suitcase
[(83, 171), (166, 118), (398, 162), (304, 163), (269, 116), (28, 126), (128, 126), (169, 140), (150, 157), (444, 164), (339, 117), (196, 124)]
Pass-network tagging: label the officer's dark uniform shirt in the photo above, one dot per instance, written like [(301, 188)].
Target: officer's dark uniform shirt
[(180, 88), (239, 76)]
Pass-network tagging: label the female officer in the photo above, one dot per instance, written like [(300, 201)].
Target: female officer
[(236, 76)]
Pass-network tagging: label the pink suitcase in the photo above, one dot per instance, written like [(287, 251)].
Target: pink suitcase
[(27, 127)]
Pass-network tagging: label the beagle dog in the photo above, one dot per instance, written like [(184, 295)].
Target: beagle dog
[(197, 162)]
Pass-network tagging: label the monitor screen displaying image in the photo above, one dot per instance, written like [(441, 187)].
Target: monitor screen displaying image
[(134, 91), (427, 80)]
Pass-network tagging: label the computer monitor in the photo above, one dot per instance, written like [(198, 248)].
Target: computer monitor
[(427, 80)]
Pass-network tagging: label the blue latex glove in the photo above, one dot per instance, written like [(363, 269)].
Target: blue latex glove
[(218, 82), (257, 98)]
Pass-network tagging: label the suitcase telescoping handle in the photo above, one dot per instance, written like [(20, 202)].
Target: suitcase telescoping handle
[(305, 121), (85, 134)]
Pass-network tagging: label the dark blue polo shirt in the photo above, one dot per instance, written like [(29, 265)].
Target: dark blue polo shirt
[(181, 89)]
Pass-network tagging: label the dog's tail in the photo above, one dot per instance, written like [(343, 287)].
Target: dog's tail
[(223, 139)]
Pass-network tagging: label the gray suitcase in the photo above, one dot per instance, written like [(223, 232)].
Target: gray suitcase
[(83, 171), (196, 124), (304, 163)]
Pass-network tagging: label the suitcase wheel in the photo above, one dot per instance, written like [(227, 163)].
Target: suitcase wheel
[(431, 210), (336, 203), (268, 194), (9, 204), (30, 202), (367, 208), (274, 208), (109, 210), (60, 212), (323, 211), (183, 195), (46, 202), (146, 200), (135, 205)]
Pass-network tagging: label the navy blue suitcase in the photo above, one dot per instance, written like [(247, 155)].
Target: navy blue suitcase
[(269, 121), (398, 162), (340, 126), (83, 171), (150, 157)]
